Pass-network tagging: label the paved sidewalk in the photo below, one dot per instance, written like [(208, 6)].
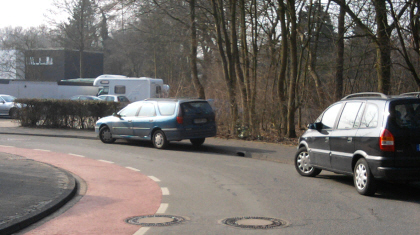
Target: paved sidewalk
[(30, 190)]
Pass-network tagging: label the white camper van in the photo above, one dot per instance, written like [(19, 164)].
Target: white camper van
[(133, 88)]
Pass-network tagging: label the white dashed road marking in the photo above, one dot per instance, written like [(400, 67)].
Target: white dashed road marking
[(43, 150), (162, 209), (165, 191), (132, 168), (142, 231), (105, 161), (76, 155), (154, 178)]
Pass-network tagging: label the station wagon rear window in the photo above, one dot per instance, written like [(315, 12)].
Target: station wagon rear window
[(196, 108)]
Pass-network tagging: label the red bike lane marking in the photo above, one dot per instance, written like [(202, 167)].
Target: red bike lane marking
[(113, 194)]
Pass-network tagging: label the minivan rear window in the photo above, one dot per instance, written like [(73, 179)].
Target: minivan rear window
[(407, 115), (196, 108)]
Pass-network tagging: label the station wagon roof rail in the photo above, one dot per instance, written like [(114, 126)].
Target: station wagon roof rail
[(365, 94), (416, 94)]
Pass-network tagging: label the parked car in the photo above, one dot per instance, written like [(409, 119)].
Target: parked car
[(115, 98), (370, 136), (7, 106), (84, 97), (161, 121)]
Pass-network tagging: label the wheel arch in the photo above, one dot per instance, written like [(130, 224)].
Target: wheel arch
[(357, 155), (154, 130)]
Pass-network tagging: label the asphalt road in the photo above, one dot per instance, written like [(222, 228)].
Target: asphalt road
[(206, 186)]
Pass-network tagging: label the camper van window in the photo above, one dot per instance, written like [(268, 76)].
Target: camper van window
[(103, 91), (119, 90)]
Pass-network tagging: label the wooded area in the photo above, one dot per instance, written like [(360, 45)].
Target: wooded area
[(271, 66)]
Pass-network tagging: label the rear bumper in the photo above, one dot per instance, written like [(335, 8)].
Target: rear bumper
[(391, 173), (408, 169), (176, 134)]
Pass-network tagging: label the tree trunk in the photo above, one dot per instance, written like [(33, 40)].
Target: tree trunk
[(291, 106), (340, 54), (227, 61), (283, 66), (193, 60), (383, 47)]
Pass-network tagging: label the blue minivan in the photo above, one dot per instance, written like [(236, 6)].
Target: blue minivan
[(160, 120)]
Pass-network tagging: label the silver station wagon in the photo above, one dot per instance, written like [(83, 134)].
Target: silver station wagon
[(161, 121)]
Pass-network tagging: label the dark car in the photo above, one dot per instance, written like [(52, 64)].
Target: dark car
[(161, 121), (84, 97), (368, 135)]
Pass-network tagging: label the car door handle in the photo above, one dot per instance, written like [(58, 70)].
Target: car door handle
[(151, 120), (327, 139), (130, 120), (349, 139)]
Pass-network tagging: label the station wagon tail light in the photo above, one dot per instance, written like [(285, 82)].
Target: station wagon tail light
[(179, 117), (386, 141)]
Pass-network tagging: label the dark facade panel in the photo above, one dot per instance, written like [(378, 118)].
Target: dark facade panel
[(56, 65)]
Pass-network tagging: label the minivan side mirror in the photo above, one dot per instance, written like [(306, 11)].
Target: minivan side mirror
[(315, 126)]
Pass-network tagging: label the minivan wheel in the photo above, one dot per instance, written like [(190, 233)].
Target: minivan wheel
[(364, 181), (303, 164), (198, 141), (159, 140), (105, 135)]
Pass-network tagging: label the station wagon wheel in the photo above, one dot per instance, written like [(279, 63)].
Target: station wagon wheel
[(159, 140), (303, 164), (13, 113), (197, 141), (105, 135), (364, 181)]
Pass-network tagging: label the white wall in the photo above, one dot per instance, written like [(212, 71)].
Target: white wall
[(44, 90)]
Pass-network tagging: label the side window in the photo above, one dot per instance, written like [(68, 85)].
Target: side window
[(167, 108), (329, 116), (349, 114), (147, 110), (119, 89), (370, 118), (129, 111)]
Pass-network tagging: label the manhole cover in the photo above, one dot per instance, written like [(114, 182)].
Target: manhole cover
[(155, 220), (254, 222)]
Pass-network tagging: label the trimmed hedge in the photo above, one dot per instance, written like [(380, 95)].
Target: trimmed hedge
[(55, 113)]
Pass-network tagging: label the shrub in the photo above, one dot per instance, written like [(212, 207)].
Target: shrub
[(64, 113)]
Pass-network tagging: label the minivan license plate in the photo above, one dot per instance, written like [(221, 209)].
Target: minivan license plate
[(200, 121)]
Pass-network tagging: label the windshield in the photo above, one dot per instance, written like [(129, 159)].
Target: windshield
[(8, 98)]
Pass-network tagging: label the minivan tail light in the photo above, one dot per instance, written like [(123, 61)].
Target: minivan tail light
[(386, 141)]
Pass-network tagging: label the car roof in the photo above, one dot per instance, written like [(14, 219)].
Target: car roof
[(175, 99), (381, 96)]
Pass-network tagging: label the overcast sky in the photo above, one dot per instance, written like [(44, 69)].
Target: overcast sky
[(25, 13)]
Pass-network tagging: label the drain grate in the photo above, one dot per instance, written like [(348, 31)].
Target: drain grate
[(254, 222), (155, 220)]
